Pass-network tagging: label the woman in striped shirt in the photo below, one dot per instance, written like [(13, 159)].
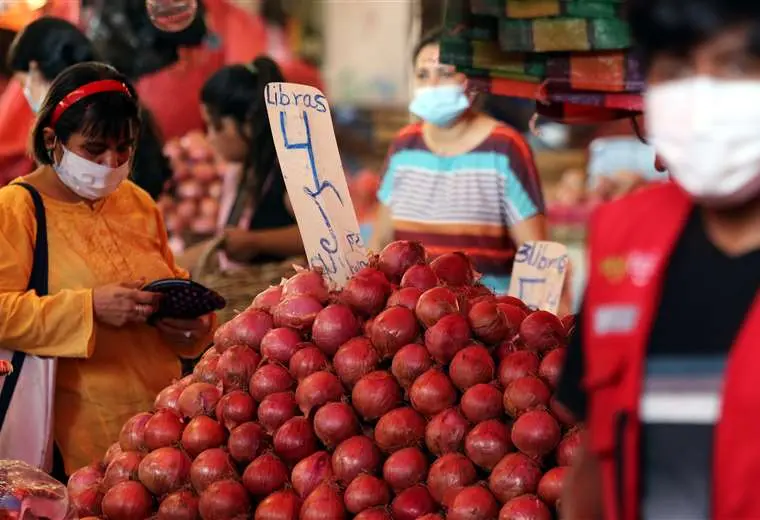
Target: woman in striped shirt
[(459, 180)]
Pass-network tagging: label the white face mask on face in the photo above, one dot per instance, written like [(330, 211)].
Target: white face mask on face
[(708, 133), (87, 179)]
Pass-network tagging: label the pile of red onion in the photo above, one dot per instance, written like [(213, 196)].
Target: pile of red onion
[(435, 405)]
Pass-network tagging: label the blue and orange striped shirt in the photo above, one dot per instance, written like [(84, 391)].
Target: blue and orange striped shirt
[(464, 202)]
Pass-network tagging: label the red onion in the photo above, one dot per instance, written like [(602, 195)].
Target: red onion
[(168, 398), (202, 433), (512, 300), (434, 304), (353, 456), (525, 394), (448, 475), (514, 316), (375, 395), (413, 503), (317, 389), (163, 429), (375, 513), (536, 433), (513, 476), (236, 366), (405, 468), (247, 328), (471, 366), (279, 345), (542, 331), (364, 492), (324, 503), (295, 440), (399, 428), (127, 501), (199, 399), (311, 472), (366, 294), (246, 442), (432, 393), (516, 365), (334, 326), (561, 413), (275, 409), (113, 451), (419, 277), (481, 403), (307, 360), (308, 283), (431, 516), (550, 485), (488, 443), (525, 507), (123, 468), (235, 408), (392, 329), (409, 363), (334, 423), (446, 431), (225, 500), (473, 503), (447, 337), (210, 466), (205, 371), (132, 435), (268, 298), (84, 478), (568, 322), (454, 269), (297, 312), (569, 447), (551, 367), (181, 505), (264, 475), (281, 505), (354, 360), (405, 297), (164, 470), (398, 256), (488, 322), (504, 349), (270, 379)]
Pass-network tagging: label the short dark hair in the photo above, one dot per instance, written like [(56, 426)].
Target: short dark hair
[(110, 115), (53, 43), (677, 26), (433, 36)]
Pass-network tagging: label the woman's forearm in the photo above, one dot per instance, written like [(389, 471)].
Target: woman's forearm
[(283, 242)]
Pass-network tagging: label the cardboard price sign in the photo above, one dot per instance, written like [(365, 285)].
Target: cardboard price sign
[(538, 275), (308, 152)]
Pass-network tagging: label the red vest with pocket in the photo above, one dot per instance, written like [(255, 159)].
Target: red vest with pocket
[(630, 242)]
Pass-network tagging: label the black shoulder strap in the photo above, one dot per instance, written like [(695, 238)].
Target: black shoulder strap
[(38, 281)]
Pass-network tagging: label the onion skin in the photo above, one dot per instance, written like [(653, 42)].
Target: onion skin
[(205, 371), (473, 503), (399, 256), (375, 513), (376, 394), (236, 366), (265, 475), (353, 456), (132, 435), (210, 466), (270, 379), (122, 468), (334, 326), (412, 503), (536, 433), (488, 322), (569, 448), (324, 503), (542, 331), (367, 294), (434, 304), (318, 389), (164, 470), (247, 328), (275, 409), (405, 468), (334, 423), (163, 429), (355, 359), (400, 428), (514, 475), (550, 486), (246, 442), (516, 365), (280, 344), (525, 507), (201, 434), (307, 360), (419, 277), (405, 297), (295, 440), (551, 367), (226, 499), (454, 269), (448, 475), (306, 283), (392, 329), (199, 399), (282, 505), (267, 299), (364, 492), (182, 505), (411, 362), (297, 312), (446, 431), (447, 337), (235, 408), (127, 501), (168, 398), (488, 443), (310, 472), (471, 366), (481, 403), (524, 394), (113, 451), (432, 393)]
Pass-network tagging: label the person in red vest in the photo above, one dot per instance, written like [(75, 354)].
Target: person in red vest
[(664, 368)]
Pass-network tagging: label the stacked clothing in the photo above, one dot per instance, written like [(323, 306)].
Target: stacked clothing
[(572, 56)]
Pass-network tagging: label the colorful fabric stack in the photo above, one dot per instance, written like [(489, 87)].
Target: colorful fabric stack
[(572, 56)]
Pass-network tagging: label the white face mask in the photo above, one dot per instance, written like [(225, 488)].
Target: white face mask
[(87, 179), (708, 133)]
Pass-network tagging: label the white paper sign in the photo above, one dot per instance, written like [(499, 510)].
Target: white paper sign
[(538, 275), (308, 152)]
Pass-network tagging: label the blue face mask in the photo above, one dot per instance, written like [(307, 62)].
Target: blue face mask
[(440, 105)]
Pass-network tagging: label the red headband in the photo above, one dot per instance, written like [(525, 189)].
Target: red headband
[(96, 87)]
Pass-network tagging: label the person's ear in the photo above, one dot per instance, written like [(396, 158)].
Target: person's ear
[(52, 145)]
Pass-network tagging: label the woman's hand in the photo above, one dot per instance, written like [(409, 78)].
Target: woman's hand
[(119, 304), (239, 245), (184, 332)]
